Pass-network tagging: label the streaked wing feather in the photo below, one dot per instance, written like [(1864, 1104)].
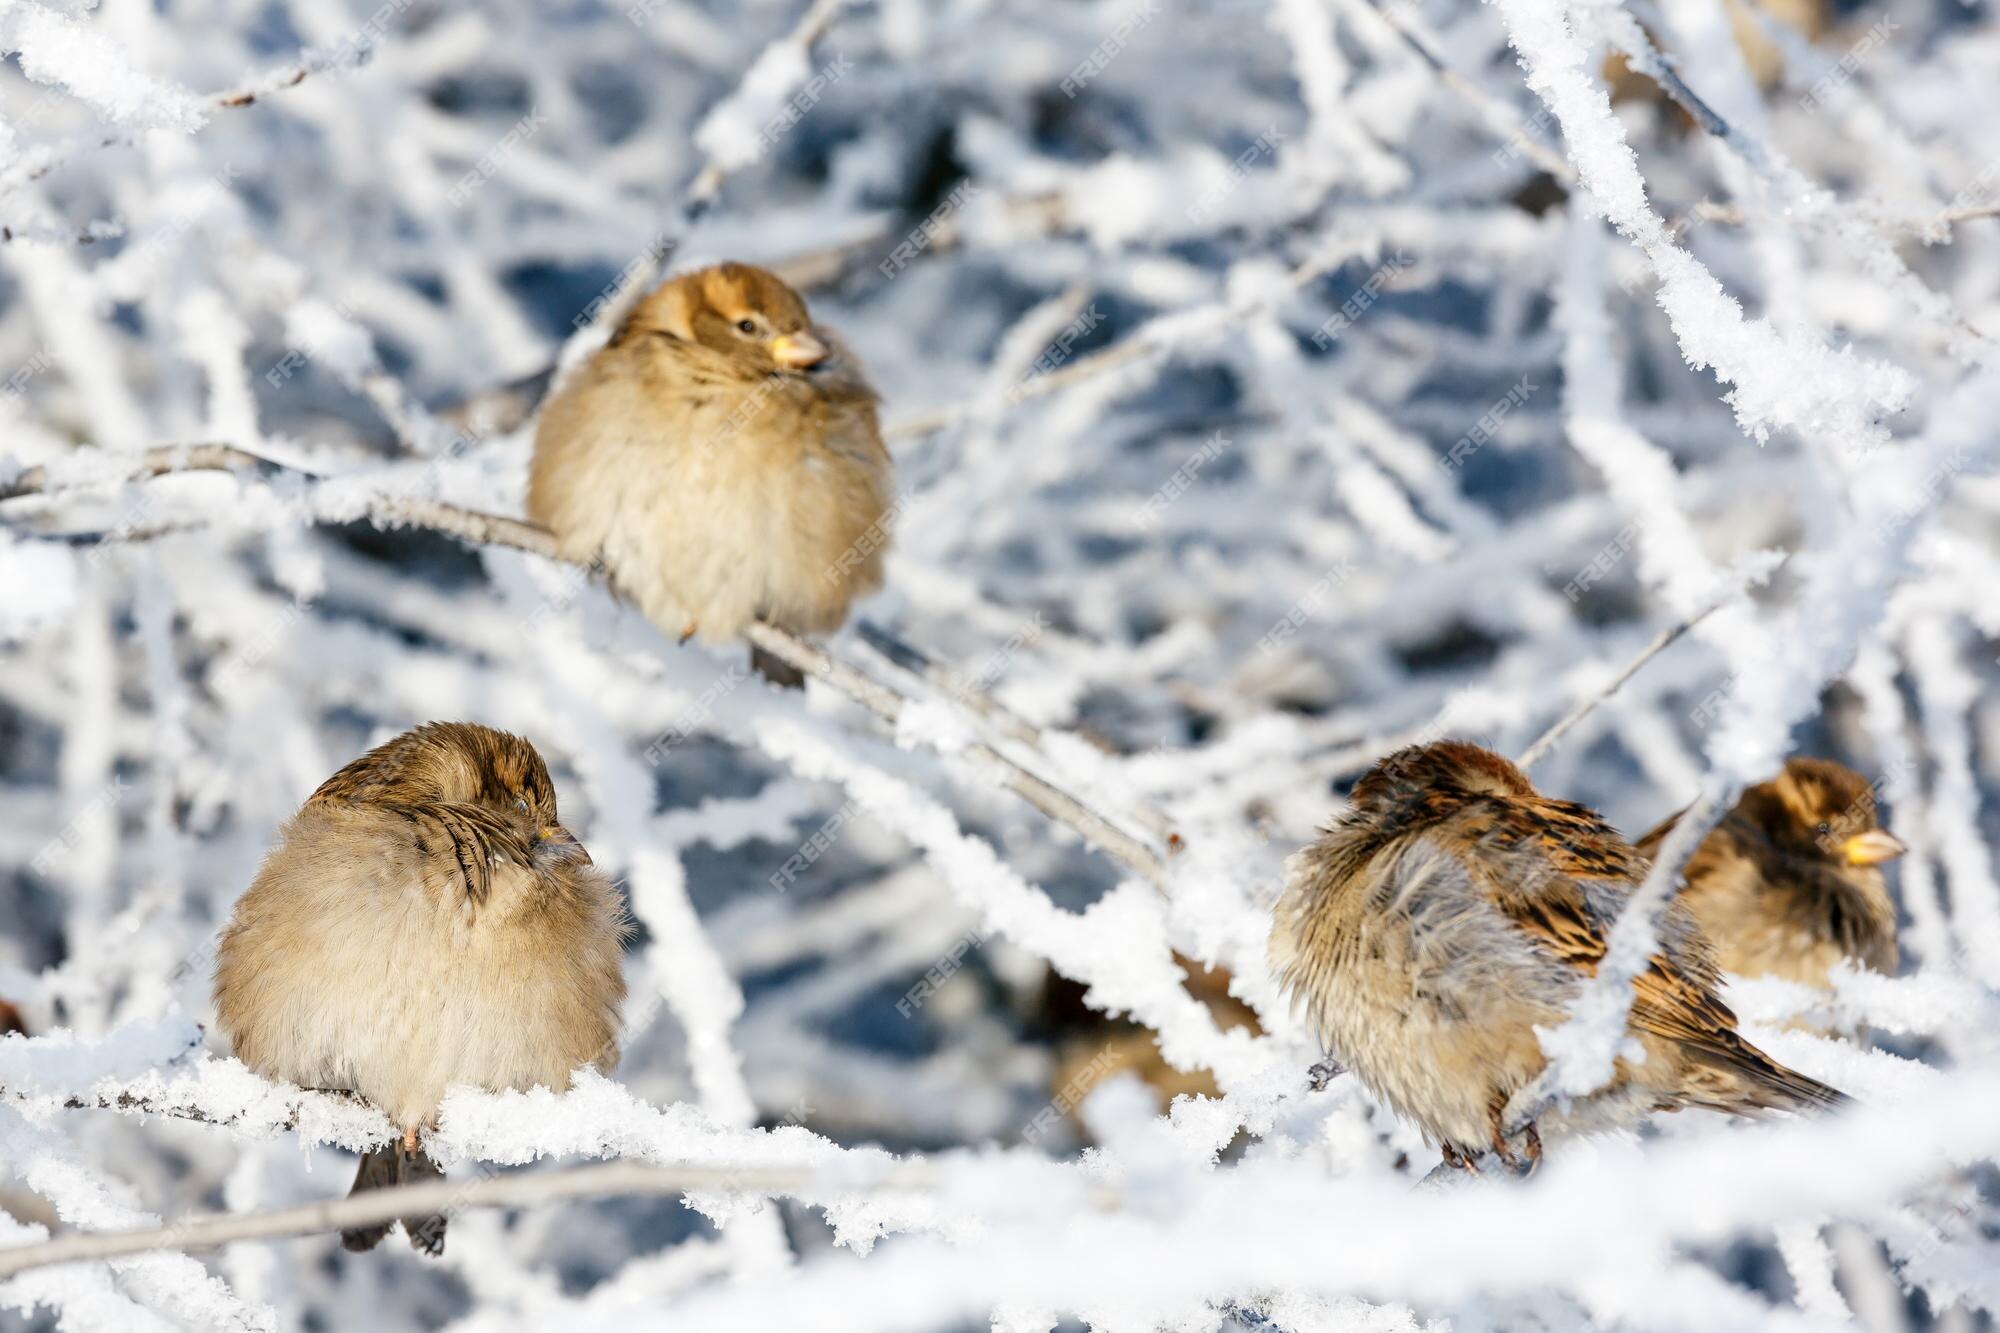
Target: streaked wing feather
[(1562, 868), (475, 835)]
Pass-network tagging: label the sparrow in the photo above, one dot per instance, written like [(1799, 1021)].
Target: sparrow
[(425, 920), (1450, 911), (1788, 884), (721, 459)]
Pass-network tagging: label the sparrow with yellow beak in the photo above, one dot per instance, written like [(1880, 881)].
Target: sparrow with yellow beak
[(1789, 883), (425, 920), (721, 457), (1452, 911)]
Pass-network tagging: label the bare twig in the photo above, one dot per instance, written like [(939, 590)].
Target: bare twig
[(1730, 215), (1661, 642), (233, 99), (129, 1103), (1646, 58), (248, 94), (154, 463), (88, 234), (500, 1191), (1126, 351), (812, 25), (917, 665), (1499, 117), (478, 528), (1015, 776)]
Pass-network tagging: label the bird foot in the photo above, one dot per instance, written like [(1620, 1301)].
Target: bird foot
[(1522, 1164), (410, 1141), (427, 1236), (687, 631), (1323, 1073), (1462, 1161)]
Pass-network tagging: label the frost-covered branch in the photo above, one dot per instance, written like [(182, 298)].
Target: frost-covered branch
[(194, 1234)]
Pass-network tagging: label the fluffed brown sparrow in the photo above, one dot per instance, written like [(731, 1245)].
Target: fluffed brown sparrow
[(721, 457), (1788, 884), (1452, 909), (425, 920)]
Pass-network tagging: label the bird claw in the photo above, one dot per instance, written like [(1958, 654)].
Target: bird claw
[(410, 1141), (1323, 1073), (687, 631), (427, 1237), (1525, 1163)]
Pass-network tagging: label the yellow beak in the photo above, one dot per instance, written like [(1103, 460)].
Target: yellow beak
[(558, 842), (1876, 845), (797, 351)]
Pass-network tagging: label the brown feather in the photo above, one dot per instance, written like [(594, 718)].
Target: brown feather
[(1771, 886)]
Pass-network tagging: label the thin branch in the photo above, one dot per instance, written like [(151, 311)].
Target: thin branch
[(90, 233), (130, 1103), (1731, 215), (1661, 642), (920, 666), (1497, 114), (248, 94), (155, 463), (478, 528), (233, 99), (512, 1190), (812, 25), (1968, 214), (903, 656), (1126, 351), (1648, 59), (1015, 776)]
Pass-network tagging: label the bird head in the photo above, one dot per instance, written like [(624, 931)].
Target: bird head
[(1822, 810), (741, 316), (1443, 771), (468, 764)]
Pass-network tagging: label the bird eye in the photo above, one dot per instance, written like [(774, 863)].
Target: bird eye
[(746, 326)]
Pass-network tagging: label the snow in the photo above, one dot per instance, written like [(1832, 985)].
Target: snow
[(1256, 410)]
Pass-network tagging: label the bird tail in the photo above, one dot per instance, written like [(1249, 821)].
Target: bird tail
[(1767, 1085), (381, 1168), (776, 670)]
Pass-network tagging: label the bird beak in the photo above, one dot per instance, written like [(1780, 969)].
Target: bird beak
[(559, 844), (1876, 845), (798, 351)]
